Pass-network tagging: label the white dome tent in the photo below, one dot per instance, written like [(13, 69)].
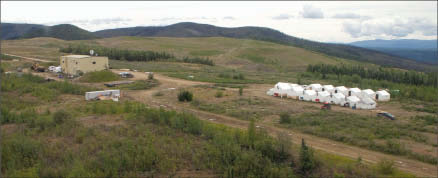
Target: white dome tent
[(328, 88), (367, 103), (315, 86), (337, 98), (354, 92), (309, 95), (368, 93), (295, 92), (280, 89), (323, 96), (382, 95), (353, 101), (341, 89)]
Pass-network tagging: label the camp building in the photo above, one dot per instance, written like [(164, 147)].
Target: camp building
[(76, 64)]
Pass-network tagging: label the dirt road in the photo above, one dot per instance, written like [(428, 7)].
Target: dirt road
[(167, 83), (28, 58)]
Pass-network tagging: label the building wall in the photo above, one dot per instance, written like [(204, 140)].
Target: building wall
[(72, 66)]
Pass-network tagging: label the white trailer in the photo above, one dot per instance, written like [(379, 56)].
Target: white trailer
[(92, 95)]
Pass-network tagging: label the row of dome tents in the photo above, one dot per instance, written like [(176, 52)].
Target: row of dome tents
[(353, 97)]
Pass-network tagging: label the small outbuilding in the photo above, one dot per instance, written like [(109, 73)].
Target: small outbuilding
[(382, 95), (76, 64)]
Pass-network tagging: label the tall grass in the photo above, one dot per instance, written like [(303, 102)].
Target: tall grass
[(99, 76)]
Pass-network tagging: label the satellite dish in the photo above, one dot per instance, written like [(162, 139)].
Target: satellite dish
[(91, 52)]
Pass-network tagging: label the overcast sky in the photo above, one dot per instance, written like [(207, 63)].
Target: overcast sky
[(326, 21)]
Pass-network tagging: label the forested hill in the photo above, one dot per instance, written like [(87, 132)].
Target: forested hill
[(62, 31), (188, 29)]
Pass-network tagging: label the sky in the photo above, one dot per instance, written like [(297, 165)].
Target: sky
[(326, 21)]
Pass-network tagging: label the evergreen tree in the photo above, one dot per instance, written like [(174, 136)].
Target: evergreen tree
[(307, 161)]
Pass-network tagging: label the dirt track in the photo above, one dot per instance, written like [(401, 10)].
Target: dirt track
[(416, 167), (29, 58)]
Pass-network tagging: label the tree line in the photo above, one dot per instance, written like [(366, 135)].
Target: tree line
[(132, 55), (378, 73)]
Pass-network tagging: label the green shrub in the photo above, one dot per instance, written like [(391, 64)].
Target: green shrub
[(61, 116), (385, 166), (99, 76), (219, 94), (151, 75), (240, 91), (307, 160), (185, 96), (285, 118), (140, 85)]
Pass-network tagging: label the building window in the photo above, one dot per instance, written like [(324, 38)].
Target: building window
[(94, 62)]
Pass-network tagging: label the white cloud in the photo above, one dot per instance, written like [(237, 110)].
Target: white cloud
[(229, 18), (350, 16), (104, 21), (397, 27), (312, 12), (282, 17)]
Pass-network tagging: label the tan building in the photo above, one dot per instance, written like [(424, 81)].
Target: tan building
[(75, 64)]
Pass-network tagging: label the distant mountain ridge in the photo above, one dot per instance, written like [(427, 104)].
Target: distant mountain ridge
[(189, 29), (397, 44), (420, 50)]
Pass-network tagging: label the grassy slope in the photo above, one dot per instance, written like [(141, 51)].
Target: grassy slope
[(261, 62)]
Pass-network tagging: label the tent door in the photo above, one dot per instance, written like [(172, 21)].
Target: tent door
[(336, 91), (377, 96), (349, 93)]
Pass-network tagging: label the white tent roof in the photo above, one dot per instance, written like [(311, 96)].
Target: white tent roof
[(297, 88), (309, 92), (353, 99), (324, 93), (368, 100), (293, 85), (283, 86), (339, 95), (328, 87), (382, 92), (355, 90), (315, 85), (341, 88), (368, 91)]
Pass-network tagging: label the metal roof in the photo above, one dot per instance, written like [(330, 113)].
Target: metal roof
[(77, 56)]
